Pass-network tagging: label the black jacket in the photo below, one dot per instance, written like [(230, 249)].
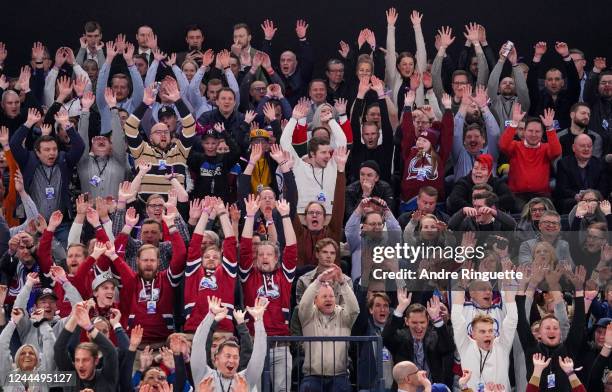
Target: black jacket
[(354, 195), (383, 154), (570, 181), (570, 347), (437, 343), (461, 195), (601, 110), (502, 222), (541, 99)]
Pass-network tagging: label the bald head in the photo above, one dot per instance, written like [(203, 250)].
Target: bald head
[(288, 63), (583, 147), (325, 300), (402, 372)]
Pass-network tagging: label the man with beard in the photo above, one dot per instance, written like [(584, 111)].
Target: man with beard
[(578, 171), (555, 94), (211, 167), (261, 276), (483, 343), (227, 357), (121, 84), (550, 344), (325, 363), (294, 71), (103, 168), (164, 155), (469, 138), (598, 94), (147, 296), (481, 173), (580, 114), (210, 272), (510, 90), (419, 334), (87, 355)]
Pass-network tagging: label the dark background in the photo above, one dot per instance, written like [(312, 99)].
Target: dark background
[(582, 24)]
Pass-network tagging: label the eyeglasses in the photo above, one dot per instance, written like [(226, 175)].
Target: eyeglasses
[(594, 237), (161, 132), (539, 209), (314, 213), (591, 200), (550, 223), (258, 88), (155, 206)]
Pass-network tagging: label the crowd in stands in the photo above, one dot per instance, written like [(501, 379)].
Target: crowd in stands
[(172, 217)]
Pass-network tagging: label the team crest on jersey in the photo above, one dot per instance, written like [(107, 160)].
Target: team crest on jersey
[(272, 292), (209, 282), (421, 169)]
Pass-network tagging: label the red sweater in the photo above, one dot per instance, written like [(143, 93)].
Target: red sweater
[(83, 277), (276, 286), (417, 171), (201, 283), (529, 167), (157, 321)]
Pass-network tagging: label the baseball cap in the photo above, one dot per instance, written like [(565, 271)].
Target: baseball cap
[(103, 278), (255, 133), (46, 292), (165, 111)]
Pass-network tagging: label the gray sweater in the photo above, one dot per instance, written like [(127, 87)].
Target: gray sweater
[(111, 170), (502, 106), (199, 364)]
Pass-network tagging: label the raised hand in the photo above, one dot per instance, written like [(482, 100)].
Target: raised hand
[(301, 27), (171, 60), (482, 34), (341, 155), (370, 38), (540, 49), (403, 298), (207, 58), (409, 98), (471, 33), (392, 16), (251, 204), (149, 95), (447, 101), (268, 29), (55, 220), (433, 307), (377, 85), (481, 97), (344, 49), (128, 54), (111, 51), (517, 113), (283, 207), (115, 317), (99, 249), (109, 97), (249, 116), (257, 311), (300, 110), (4, 136), (58, 274), (60, 58), (562, 49), (23, 83), (131, 217), (64, 87), (158, 55), (223, 57), (276, 153), (171, 92), (136, 337), (87, 100), (599, 64), (567, 365), (465, 378), (446, 36), (16, 315), (207, 385), (548, 119), (416, 17), (146, 358), (32, 279)]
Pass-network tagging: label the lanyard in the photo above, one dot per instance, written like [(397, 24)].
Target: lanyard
[(315, 177), (101, 172), (483, 363), (48, 178), (149, 296), (267, 277), (229, 387)]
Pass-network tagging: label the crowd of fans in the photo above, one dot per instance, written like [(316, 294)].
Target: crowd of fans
[(167, 210)]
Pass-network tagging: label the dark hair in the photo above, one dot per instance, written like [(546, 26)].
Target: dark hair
[(242, 26), (490, 198), (193, 27), (382, 296), (367, 215), (92, 26), (215, 82), (460, 72), (234, 56), (228, 90), (227, 343), (578, 105), (43, 139), (428, 190), (369, 124), (472, 127), (403, 55), (315, 81), (415, 308), (314, 143), (553, 69), (150, 221), (320, 128), (530, 120), (605, 73), (142, 57), (482, 187)]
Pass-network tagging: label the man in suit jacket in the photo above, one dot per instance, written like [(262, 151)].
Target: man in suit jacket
[(577, 172), (419, 335)]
